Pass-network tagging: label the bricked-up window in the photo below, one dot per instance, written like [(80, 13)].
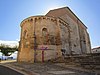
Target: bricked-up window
[(25, 34), (45, 36), (52, 39)]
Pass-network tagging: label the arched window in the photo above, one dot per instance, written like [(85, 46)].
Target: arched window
[(44, 31), (45, 36)]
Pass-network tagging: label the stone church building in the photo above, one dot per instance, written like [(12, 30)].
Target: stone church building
[(59, 32)]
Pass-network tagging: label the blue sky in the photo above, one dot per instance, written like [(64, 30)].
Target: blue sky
[(12, 12)]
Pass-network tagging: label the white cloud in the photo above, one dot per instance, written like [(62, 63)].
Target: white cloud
[(9, 43), (17, 39)]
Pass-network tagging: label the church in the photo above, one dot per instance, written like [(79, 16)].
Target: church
[(58, 33)]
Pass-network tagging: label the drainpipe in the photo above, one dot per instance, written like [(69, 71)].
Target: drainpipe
[(34, 42), (79, 36), (69, 40)]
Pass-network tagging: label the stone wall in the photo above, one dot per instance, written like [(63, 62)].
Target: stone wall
[(79, 38), (26, 53), (48, 43), (43, 38)]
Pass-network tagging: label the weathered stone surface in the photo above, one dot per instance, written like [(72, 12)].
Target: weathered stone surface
[(44, 38)]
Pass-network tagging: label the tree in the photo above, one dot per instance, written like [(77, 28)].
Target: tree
[(7, 50)]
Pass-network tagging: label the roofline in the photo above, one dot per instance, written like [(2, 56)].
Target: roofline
[(96, 48), (76, 16), (71, 12), (55, 9)]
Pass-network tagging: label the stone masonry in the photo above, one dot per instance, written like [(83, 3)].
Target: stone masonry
[(59, 32)]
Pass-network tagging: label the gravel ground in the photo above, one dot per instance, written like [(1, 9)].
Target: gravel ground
[(48, 69)]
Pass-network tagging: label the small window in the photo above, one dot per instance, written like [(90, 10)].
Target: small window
[(52, 40), (74, 45)]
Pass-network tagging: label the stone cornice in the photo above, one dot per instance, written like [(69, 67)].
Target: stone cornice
[(53, 19)]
